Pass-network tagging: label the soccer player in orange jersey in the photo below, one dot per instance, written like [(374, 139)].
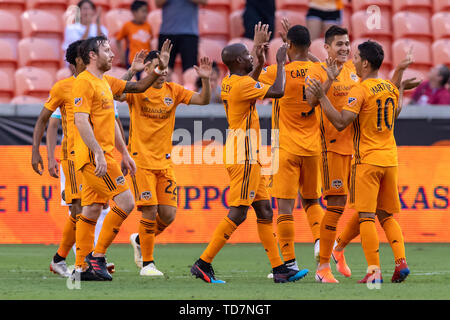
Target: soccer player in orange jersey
[(240, 91), (96, 135), (296, 139), (372, 106), (152, 120)]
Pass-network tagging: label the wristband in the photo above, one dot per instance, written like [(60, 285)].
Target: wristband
[(158, 71)]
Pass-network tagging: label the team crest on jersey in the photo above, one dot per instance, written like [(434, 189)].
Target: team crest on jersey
[(120, 180), (337, 184), (168, 101), (146, 195), (354, 77), (252, 195), (259, 85), (167, 155), (351, 101), (78, 101)]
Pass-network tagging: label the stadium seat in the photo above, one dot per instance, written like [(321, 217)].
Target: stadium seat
[(237, 4), (236, 24), (363, 27), (56, 7), (274, 45), (422, 7), (33, 81), (294, 18), (411, 25), (441, 52), (27, 100), (103, 4), (347, 19), (15, 7), (410, 73), (386, 44), (421, 53), (246, 41), (211, 48), (154, 18), (318, 50), (219, 5), (6, 87), (116, 72), (42, 24), (299, 5), (440, 23), (10, 27), (441, 5), (122, 4), (364, 4), (63, 73), (213, 24), (8, 57), (39, 53), (115, 19), (190, 78)]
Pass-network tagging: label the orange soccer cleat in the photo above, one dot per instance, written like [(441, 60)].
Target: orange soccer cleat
[(341, 264), (325, 276)]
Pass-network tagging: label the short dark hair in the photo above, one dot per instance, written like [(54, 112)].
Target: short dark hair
[(137, 4), (444, 72), (86, 1), (299, 36), (373, 52), (91, 44), (151, 55), (333, 31), (73, 51)]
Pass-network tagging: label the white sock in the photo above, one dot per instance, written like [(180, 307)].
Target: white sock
[(98, 226)]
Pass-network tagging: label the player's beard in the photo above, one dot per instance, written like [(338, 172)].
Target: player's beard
[(104, 66)]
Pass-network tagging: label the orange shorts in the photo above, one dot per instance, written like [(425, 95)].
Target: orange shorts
[(247, 185), (374, 187), (72, 184), (335, 173), (153, 187), (102, 189), (296, 173)]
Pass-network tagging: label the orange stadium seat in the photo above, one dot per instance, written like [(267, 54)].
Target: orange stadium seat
[(115, 19), (299, 5), (63, 73), (27, 100), (411, 25), (294, 18), (364, 4), (236, 24), (213, 24), (441, 5), (190, 78), (15, 7), (42, 24), (33, 81), (39, 53), (237, 4), (121, 4), (362, 27), (422, 7), (274, 45), (318, 50), (441, 52), (8, 57), (6, 87), (56, 7), (154, 18), (440, 23), (421, 53), (386, 44)]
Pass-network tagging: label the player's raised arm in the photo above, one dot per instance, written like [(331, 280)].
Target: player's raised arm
[(204, 71), (145, 83), (405, 85), (38, 133), (260, 45), (277, 89)]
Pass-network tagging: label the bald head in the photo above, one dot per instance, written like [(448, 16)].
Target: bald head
[(236, 56)]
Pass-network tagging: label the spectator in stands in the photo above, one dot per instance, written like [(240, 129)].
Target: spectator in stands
[(256, 11), (137, 34), (88, 25), (433, 91), (321, 15), (214, 81), (180, 25)]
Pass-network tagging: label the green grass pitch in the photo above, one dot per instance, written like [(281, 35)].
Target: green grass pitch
[(24, 274)]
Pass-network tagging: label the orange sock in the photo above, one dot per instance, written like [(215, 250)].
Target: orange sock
[(147, 230), (314, 214), (160, 225), (369, 241), (85, 235), (68, 237), (351, 231), (110, 228), (269, 241), (286, 234), (395, 237), (328, 231), (221, 235)]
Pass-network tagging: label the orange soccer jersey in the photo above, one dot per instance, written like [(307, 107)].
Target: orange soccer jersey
[(138, 37), (376, 102), (332, 139), (95, 96), (291, 115), (239, 95), (61, 96), (152, 116)]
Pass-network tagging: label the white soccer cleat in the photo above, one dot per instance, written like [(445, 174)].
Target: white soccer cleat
[(317, 251), (60, 268), (137, 250), (151, 271)]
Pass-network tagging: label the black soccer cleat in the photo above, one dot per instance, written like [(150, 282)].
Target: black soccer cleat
[(204, 271), (282, 274), (99, 267), (87, 275)]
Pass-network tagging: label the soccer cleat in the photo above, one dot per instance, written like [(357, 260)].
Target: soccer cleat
[(341, 264), (204, 271), (317, 251), (137, 250), (293, 266), (110, 267), (284, 274), (373, 277), (325, 276), (87, 275), (401, 271), (98, 265), (150, 270), (60, 268)]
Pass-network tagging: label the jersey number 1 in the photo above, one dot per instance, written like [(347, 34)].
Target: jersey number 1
[(383, 112)]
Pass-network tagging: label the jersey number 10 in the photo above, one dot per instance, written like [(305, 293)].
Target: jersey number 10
[(383, 112)]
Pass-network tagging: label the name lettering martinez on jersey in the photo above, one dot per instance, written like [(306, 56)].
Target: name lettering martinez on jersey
[(383, 86)]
